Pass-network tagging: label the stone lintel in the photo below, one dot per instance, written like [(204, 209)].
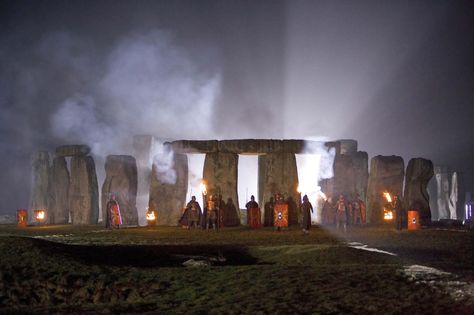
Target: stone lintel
[(73, 150)]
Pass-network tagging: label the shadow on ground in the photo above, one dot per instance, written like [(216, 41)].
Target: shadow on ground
[(149, 255)]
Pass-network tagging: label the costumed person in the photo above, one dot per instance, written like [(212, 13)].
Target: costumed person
[(341, 213), (399, 213), (253, 213), (268, 219), (358, 210), (192, 214), (113, 216), (327, 213), (212, 213), (220, 205), (306, 209)]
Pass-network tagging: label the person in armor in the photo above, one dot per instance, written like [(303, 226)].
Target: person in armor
[(358, 210), (252, 204), (212, 213), (113, 216), (306, 209), (268, 220), (399, 213), (192, 214), (341, 213)]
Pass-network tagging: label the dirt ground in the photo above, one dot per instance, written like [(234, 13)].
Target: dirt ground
[(170, 270)]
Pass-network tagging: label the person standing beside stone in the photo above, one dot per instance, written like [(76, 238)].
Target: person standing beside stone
[(252, 207), (341, 213), (306, 209), (268, 220), (212, 213), (399, 213), (358, 210), (192, 214), (113, 216)]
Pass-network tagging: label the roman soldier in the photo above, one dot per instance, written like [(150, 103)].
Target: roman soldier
[(306, 209)]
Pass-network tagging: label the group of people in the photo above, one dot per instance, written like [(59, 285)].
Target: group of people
[(343, 212), (216, 214)]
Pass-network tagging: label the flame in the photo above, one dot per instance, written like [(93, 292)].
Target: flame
[(40, 215), (150, 216), (387, 214), (298, 189), (203, 188), (387, 196)]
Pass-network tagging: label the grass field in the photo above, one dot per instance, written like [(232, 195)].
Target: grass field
[(66, 269)]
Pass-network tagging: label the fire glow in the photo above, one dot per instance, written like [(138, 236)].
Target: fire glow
[(203, 188), (40, 215), (387, 196)]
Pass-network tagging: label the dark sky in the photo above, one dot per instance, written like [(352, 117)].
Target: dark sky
[(398, 76)]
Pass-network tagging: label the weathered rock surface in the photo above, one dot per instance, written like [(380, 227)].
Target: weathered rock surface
[(59, 192), (40, 182), (343, 146), (220, 175), (241, 146), (446, 193), (386, 174), (73, 150), (83, 191), (360, 161), (418, 174), (278, 174), (168, 195), (344, 176), (143, 148), (121, 180)]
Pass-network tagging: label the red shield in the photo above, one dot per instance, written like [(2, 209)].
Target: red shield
[(255, 218), (280, 215)]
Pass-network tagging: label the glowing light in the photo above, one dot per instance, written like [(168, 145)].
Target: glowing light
[(40, 215), (387, 215), (387, 196), (203, 188), (298, 189), (150, 216), (322, 195)]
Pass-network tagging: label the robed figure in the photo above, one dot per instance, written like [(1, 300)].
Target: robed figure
[(306, 209), (268, 215), (253, 213), (192, 214), (358, 211)]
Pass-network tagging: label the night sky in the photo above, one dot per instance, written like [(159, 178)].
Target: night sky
[(398, 76)]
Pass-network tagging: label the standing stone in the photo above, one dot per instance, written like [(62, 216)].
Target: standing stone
[(143, 152), (439, 190), (344, 176), (418, 174), (59, 192), (220, 175), (386, 174), (40, 182), (360, 161), (168, 186), (278, 174), (121, 180), (83, 191)]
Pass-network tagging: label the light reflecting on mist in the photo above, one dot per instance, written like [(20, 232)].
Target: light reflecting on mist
[(308, 174), (247, 179), (195, 169)]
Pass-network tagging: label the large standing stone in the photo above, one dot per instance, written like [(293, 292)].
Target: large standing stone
[(360, 161), (121, 180), (169, 185), (220, 175), (386, 174), (446, 194), (83, 191), (344, 176), (143, 151), (59, 192), (418, 174), (40, 182), (278, 174)]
